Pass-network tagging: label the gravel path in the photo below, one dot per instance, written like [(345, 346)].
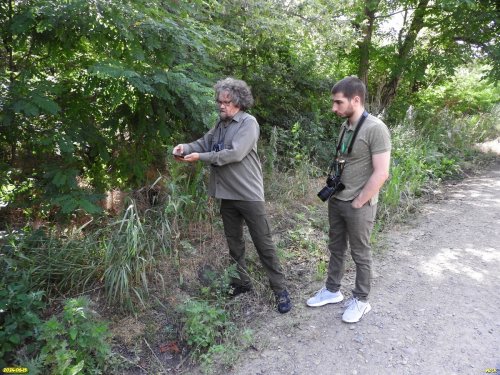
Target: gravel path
[(435, 301)]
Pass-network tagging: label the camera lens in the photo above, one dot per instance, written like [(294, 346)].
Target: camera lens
[(325, 193)]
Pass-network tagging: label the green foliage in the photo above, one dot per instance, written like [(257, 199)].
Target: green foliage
[(270, 154), (76, 342), (408, 173), (187, 192), (466, 92), (205, 325), (93, 91), (428, 150), (423, 45), (20, 311), (124, 253), (208, 327), (321, 270), (93, 95), (277, 54), (218, 284)]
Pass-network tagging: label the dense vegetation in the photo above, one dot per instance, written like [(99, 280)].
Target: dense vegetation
[(94, 94)]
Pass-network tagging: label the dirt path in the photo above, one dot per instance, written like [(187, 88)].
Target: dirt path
[(435, 301)]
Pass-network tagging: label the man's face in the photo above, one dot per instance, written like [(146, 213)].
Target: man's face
[(342, 106), (227, 109)]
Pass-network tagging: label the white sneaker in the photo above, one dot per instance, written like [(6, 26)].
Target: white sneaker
[(355, 310), (323, 297), (348, 302)]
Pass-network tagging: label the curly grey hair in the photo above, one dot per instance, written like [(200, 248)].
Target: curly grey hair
[(238, 91)]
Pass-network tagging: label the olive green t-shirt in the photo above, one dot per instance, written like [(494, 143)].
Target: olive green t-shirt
[(373, 138)]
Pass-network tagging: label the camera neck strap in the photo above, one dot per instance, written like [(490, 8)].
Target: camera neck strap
[(356, 131), (223, 127)]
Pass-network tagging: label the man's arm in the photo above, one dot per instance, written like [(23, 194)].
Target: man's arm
[(242, 143), (194, 148), (381, 163)]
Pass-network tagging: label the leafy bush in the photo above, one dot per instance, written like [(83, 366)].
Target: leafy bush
[(76, 342), (467, 92), (205, 325), (19, 317)]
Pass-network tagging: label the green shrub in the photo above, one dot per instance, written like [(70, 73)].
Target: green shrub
[(76, 342), (19, 317), (467, 92), (205, 325)]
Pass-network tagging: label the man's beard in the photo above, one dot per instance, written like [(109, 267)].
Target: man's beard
[(349, 112), (224, 116)]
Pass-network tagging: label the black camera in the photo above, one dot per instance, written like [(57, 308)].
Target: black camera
[(218, 147), (333, 183)]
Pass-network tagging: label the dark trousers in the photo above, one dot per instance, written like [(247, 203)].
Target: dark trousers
[(353, 225), (234, 213)]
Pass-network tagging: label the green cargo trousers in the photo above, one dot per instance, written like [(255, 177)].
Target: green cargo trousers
[(354, 225), (234, 213)]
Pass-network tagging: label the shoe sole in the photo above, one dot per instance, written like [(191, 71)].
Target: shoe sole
[(367, 310), (323, 303)]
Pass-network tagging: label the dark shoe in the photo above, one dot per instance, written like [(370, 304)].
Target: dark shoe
[(283, 301), (235, 289)]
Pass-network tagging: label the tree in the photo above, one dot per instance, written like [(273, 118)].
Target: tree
[(443, 35), (370, 8), (94, 90)]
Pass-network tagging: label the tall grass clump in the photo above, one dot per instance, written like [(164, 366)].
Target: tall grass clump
[(129, 257), (141, 240), (53, 262)]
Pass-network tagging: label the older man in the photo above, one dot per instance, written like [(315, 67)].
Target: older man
[(230, 147)]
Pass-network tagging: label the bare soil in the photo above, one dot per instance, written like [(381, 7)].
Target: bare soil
[(435, 300)]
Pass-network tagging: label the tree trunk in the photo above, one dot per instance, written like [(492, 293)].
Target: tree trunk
[(7, 41), (404, 53), (364, 46)]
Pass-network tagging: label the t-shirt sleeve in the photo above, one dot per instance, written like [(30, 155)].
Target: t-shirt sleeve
[(380, 139)]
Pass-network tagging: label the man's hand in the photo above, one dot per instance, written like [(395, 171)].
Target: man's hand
[(191, 158), (356, 203), (178, 152), (380, 173)]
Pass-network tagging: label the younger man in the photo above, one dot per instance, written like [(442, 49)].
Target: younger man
[(351, 212)]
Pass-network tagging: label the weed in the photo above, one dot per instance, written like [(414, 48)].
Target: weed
[(205, 325), (76, 342), (271, 154), (55, 262), (19, 317), (321, 270)]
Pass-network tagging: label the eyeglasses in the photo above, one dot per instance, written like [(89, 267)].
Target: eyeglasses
[(225, 102)]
